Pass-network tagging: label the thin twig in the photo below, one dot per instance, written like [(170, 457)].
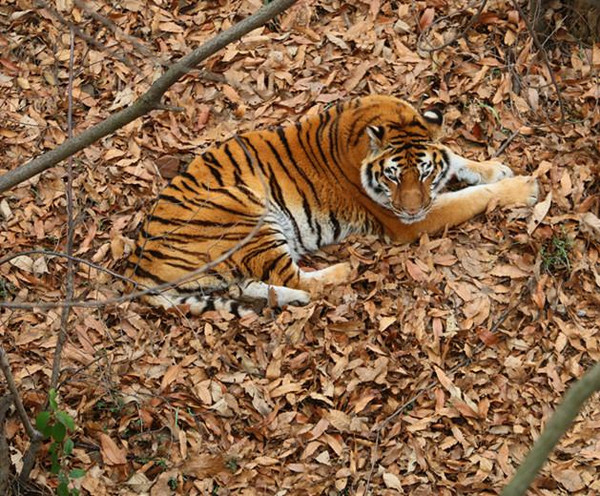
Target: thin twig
[(462, 33), (148, 101), (73, 373), (145, 51), (34, 447), (170, 108), (82, 261), (505, 144), (216, 78), (461, 365), (58, 254), (558, 424), (94, 14), (64, 318), (84, 36), (132, 296), (545, 58)]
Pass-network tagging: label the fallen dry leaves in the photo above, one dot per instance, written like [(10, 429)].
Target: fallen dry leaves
[(454, 349)]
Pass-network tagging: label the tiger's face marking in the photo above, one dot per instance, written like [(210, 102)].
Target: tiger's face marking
[(404, 173)]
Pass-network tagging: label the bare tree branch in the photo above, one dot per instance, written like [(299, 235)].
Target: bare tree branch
[(31, 453), (33, 433), (49, 253), (505, 144), (558, 424), (145, 103)]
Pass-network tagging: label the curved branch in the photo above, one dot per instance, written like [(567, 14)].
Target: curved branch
[(148, 101), (5, 403), (32, 432), (64, 318)]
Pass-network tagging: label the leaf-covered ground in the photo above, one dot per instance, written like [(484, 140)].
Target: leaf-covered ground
[(432, 373)]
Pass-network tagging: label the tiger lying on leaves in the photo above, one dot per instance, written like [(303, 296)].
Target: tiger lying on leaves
[(369, 165)]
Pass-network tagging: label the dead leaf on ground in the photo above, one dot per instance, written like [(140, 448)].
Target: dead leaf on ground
[(111, 453)]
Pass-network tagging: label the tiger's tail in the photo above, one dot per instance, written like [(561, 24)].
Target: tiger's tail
[(244, 298), (198, 303)]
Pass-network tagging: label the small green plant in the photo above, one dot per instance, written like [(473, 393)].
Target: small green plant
[(114, 405), (6, 289), (496, 72), (493, 111), (232, 465), (555, 254), (55, 424)]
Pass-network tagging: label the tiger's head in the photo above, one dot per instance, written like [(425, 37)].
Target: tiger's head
[(405, 169)]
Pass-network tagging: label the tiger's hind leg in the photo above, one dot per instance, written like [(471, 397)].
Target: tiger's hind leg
[(293, 278), (312, 283), (272, 264)]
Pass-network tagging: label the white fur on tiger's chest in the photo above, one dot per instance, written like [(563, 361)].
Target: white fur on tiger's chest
[(306, 232)]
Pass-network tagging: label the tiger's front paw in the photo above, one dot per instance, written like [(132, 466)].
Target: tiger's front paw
[(493, 171), (519, 190)]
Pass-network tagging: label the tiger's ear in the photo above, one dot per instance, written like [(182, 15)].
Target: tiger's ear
[(376, 135), (434, 116)]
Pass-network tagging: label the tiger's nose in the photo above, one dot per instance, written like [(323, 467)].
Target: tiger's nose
[(412, 202), (412, 211)]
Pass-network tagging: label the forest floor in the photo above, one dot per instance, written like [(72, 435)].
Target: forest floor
[(431, 373)]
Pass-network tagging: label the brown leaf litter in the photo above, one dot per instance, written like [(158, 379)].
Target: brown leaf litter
[(480, 330)]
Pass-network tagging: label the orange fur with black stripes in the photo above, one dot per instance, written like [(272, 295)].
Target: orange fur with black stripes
[(370, 165)]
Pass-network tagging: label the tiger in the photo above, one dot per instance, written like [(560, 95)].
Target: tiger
[(234, 225)]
